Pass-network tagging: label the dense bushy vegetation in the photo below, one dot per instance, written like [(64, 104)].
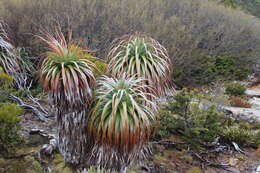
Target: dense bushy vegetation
[(206, 70), (186, 116), (9, 117), (235, 89), (190, 30), (251, 6), (242, 136)]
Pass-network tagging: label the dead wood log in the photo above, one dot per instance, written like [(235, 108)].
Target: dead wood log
[(35, 109)]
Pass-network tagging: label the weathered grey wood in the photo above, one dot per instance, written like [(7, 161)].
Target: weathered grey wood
[(34, 109)]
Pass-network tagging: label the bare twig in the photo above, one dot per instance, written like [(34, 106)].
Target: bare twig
[(19, 156), (214, 164), (42, 133), (237, 148), (168, 143)]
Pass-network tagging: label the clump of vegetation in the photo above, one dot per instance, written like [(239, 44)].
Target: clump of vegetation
[(193, 170), (252, 6), (235, 89), (26, 62), (239, 102), (184, 116), (241, 136), (207, 69), (5, 79), (9, 117)]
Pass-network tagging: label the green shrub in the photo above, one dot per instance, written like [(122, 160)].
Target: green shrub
[(185, 117), (235, 89), (207, 69), (9, 119), (8, 116), (252, 6), (101, 67), (5, 82), (228, 3), (241, 136), (26, 62), (5, 79), (165, 126), (194, 170)]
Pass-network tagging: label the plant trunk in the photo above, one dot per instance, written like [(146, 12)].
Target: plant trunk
[(72, 136)]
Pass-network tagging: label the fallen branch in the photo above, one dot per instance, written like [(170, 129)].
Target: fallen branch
[(34, 109), (168, 143), (237, 148), (42, 133), (19, 156), (217, 165)]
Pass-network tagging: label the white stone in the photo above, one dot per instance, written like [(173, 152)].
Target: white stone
[(244, 114), (253, 92), (258, 169), (255, 102)]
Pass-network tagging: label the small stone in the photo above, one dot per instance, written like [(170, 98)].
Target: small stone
[(233, 161)]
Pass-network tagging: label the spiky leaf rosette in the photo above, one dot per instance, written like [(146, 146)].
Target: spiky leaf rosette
[(143, 56), (121, 120), (67, 73)]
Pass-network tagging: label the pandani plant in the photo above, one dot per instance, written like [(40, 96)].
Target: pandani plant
[(67, 74), (121, 121), (113, 130), (141, 56)]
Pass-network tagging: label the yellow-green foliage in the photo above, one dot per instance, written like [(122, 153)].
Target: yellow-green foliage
[(235, 89), (9, 119), (241, 136), (27, 164), (101, 67), (5, 79), (194, 170)]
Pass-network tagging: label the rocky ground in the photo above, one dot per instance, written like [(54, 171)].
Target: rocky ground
[(169, 156)]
